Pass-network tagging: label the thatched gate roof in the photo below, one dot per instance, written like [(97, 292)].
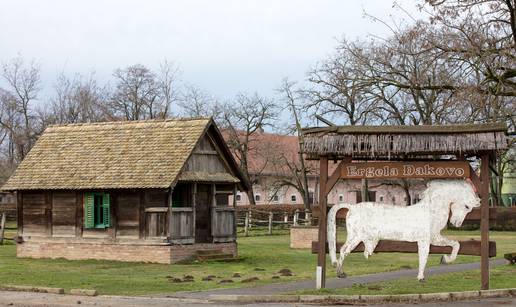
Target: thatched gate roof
[(396, 141)]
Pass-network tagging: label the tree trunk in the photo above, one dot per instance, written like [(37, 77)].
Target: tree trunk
[(407, 195), (250, 195), (364, 190)]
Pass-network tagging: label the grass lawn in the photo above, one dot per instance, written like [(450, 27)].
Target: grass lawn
[(271, 253), (502, 277)]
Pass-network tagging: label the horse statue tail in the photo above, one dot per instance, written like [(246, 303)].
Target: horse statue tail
[(332, 231)]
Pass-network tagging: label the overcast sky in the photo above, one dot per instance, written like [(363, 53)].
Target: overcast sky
[(222, 46)]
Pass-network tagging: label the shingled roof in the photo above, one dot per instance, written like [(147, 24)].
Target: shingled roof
[(137, 154)]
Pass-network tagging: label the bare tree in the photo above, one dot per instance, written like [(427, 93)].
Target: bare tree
[(78, 100), (18, 114), (196, 102), (242, 119), (142, 94), (296, 167), (336, 89), (167, 78)]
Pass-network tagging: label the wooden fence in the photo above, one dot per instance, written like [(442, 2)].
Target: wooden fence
[(255, 220)]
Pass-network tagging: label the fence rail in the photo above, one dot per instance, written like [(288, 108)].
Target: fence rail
[(257, 219)]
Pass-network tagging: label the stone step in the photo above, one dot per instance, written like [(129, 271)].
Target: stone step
[(209, 252), (220, 256)]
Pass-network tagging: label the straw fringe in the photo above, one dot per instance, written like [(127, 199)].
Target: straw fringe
[(375, 145)]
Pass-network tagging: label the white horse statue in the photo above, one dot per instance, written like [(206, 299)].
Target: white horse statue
[(371, 222)]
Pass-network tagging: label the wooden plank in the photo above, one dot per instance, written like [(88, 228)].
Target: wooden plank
[(142, 215), (156, 209), (182, 209), (113, 208), (323, 179), (474, 215), (398, 170), (470, 247), (48, 211), (78, 214), (127, 211), (484, 221), (19, 213)]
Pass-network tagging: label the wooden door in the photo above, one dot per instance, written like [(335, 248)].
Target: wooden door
[(203, 214)]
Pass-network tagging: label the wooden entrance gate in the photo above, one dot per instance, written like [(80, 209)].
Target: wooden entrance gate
[(419, 152)]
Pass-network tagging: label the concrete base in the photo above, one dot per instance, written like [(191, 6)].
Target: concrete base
[(302, 236)]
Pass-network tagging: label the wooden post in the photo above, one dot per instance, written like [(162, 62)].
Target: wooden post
[(285, 217), (79, 209), (250, 219), (2, 228), (270, 222), (234, 211), (296, 218), (194, 209), (321, 259), (308, 217), (484, 221), (246, 224)]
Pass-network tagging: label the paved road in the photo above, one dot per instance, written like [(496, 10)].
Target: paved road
[(11, 298), (333, 283)]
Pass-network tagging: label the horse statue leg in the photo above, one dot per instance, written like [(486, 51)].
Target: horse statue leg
[(346, 249), (369, 246), (423, 249), (440, 240)]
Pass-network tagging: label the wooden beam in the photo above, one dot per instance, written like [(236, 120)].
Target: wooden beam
[(484, 221), (323, 179), (470, 247), (475, 180), (474, 215), (332, 180)]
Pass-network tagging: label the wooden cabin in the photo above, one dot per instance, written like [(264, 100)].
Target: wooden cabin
[(151, 191)]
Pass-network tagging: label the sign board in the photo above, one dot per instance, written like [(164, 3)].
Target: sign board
[(396, 170)]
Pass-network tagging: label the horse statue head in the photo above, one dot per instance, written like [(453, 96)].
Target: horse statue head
[(458, 195)]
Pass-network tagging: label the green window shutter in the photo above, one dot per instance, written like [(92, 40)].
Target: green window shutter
[(107, 211), (89, 221)]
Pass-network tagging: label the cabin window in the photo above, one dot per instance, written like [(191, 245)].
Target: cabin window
[(181, 195), (341, 198), (257, 197), (293, 198), (238, 197), (275, 198), (97, 213)]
